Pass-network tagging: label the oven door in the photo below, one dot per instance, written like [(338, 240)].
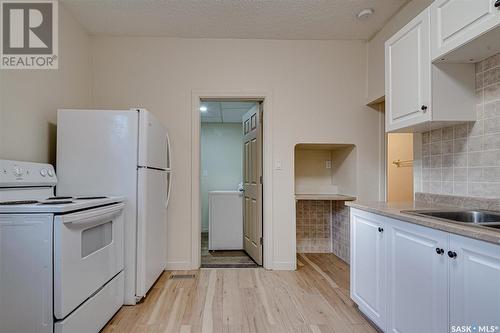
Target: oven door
[(88, 252)]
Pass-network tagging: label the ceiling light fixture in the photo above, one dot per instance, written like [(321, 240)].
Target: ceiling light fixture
[(203, 108), (365, 13)]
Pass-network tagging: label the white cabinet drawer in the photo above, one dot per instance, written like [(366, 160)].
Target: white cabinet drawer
[(92, 315)]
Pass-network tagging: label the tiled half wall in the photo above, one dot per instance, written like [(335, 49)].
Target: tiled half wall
[(323, 227), (465, 159)]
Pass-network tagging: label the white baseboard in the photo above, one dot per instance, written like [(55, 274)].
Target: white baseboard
[(179, 266), (283, 266)]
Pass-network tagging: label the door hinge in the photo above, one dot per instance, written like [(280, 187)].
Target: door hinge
[(261, 241)]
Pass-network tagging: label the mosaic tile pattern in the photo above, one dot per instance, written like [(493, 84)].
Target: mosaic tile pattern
[(340, 230), (323, 227), (464, 159), (314, 226)]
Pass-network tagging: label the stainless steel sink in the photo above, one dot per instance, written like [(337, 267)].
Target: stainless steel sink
[(478, 217)]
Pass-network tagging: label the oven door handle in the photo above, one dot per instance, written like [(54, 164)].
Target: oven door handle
[(94, 216)]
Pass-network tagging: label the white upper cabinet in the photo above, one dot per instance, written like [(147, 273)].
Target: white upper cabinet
[(408, 71), (474, 282), (455, 23), (368, 273), (419, 95)]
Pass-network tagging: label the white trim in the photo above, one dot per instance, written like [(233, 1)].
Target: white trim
[(284, 265), (178, 266), (267, 233)]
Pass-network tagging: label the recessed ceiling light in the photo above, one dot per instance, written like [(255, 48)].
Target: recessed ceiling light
[(203, 108), (365, 13)]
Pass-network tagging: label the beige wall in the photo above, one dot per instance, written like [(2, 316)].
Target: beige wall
[(221, 161), (312, 176), (399, 180), (316, 95), (29, 98), (375, 48)]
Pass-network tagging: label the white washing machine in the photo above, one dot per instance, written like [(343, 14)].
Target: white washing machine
[(225, 220)]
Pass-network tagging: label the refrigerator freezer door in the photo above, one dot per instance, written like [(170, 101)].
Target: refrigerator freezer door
[(152, 227), (153, 142)]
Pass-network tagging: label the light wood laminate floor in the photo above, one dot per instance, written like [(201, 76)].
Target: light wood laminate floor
[(315, 298)]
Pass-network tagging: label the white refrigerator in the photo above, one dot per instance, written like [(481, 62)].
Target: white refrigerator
[(121, 153)]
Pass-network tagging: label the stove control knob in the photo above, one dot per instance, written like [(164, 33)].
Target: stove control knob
[(18, 172), (43, 172), (51, 173)]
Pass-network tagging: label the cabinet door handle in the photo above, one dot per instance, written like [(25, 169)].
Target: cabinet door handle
[(452, 254), (497, 3), (439, 251), (380, 229)]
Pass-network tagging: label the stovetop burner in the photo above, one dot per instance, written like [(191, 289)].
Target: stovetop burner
[(18, 202)]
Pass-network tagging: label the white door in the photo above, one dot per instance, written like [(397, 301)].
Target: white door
[(252, 174), (407, 75), (474, 282), (368, 265), (151, 227), (455, 22), (153, 142), (417, 279)]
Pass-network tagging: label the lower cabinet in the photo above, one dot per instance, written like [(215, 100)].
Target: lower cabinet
[(474, 283), (368, 282), (408, 278), (417, 279)]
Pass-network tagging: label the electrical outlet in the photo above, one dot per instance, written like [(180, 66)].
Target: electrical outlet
[(328, 164)]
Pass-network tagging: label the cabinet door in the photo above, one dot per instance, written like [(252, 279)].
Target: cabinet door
[(417, 279), (474, 282), (455, 22), (368, 271), (407, 75)]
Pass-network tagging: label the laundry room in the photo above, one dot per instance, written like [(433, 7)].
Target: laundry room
[(222, 188)]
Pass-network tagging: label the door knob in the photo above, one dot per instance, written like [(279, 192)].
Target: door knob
[(497, 3), (380, 229), (439, 251), (424, 107), (452, 254)]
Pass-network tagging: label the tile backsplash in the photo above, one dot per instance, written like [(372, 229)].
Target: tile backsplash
[(323, 227), (465, 159)]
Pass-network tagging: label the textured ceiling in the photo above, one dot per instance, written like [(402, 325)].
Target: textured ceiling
[(225, 112), (259, 19)]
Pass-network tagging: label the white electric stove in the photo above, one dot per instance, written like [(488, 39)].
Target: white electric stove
[(61, 258)]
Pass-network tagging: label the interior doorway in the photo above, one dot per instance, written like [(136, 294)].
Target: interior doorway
[(231, 183), (399, 167)]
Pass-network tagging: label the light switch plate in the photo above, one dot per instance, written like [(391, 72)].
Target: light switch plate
[(278, 165)]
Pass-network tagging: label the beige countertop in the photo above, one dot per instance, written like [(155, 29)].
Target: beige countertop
[(393, 210), (327, 197)]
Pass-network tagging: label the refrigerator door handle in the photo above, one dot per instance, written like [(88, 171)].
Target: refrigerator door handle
[(169, 154), (169, 171), (169, 187)]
